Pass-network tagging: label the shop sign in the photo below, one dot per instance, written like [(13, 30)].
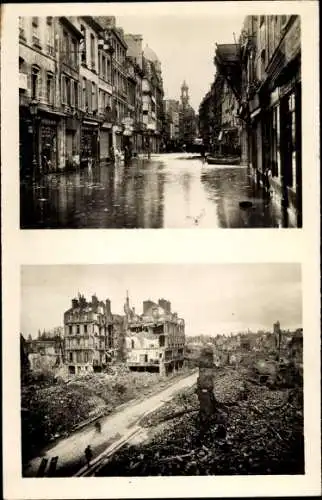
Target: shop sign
[(93, 124), (106, 125), (49, 123), (293, 41), (128, 121)]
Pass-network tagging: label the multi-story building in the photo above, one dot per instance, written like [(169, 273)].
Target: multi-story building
[(105, 93), (82, 84), (47, 350), (90, 126), (152, 99), (271, 107), (91, 335), (210, 116), (264, 73), (48, 78), (119, 78), (135, 55), (171, 112), (69, 39), (155, 340)]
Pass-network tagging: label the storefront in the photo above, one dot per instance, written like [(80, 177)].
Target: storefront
[(105, 141), (71, 145), (282, 134), (89, 142), (48, 144)]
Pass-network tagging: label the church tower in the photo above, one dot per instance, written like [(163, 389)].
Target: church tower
[(184, 95)]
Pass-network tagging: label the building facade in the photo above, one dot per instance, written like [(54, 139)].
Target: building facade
[(47, 351), (262, 74), (42, 115), (211, 116), (91, 335), (152, 101), (271, 107), (81, 82), (172, 132), (135, 56), (155, 340)]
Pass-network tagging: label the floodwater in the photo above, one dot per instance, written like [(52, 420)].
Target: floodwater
[(174, 190)]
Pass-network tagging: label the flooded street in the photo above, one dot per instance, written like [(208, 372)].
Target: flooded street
[(174, 190)]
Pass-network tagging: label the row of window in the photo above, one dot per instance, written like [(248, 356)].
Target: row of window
[(80, 357), (49, 39), (36, 83), (69, 50), (104, 67), (88, 343), (86, 329)]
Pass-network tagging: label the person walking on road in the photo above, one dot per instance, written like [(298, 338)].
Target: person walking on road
[(88, 455)]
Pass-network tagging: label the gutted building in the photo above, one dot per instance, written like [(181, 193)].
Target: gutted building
[(155, 340), (91, 335)]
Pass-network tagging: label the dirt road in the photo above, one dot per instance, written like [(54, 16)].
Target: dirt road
[(115, 428)]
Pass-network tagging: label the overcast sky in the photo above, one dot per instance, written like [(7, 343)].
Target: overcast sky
[(185, 46), (211, 298)]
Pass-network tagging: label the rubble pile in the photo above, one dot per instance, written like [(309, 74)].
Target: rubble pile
[(261, 433), (55, 410), (51, 412), (185, 401)]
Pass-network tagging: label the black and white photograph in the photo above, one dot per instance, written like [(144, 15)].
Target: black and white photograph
[(160, 121), (180, 363), (162, 369)]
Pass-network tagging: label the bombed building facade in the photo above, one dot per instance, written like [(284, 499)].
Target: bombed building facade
[(155, 340), (91, 335)]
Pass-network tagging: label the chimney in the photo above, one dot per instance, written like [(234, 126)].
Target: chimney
[(74, 303), (108, 307), (165, 304)]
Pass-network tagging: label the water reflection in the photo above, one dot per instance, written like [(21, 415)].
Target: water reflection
[(168, 191)]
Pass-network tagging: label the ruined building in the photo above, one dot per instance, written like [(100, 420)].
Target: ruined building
[(92, 335), (155, 340)]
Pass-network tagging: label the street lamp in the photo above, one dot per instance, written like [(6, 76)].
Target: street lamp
[(33, 108)]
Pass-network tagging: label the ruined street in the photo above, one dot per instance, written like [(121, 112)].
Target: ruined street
[(114, 429), (176, 190)]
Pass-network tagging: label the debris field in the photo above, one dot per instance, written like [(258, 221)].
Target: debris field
[(256, 430)]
